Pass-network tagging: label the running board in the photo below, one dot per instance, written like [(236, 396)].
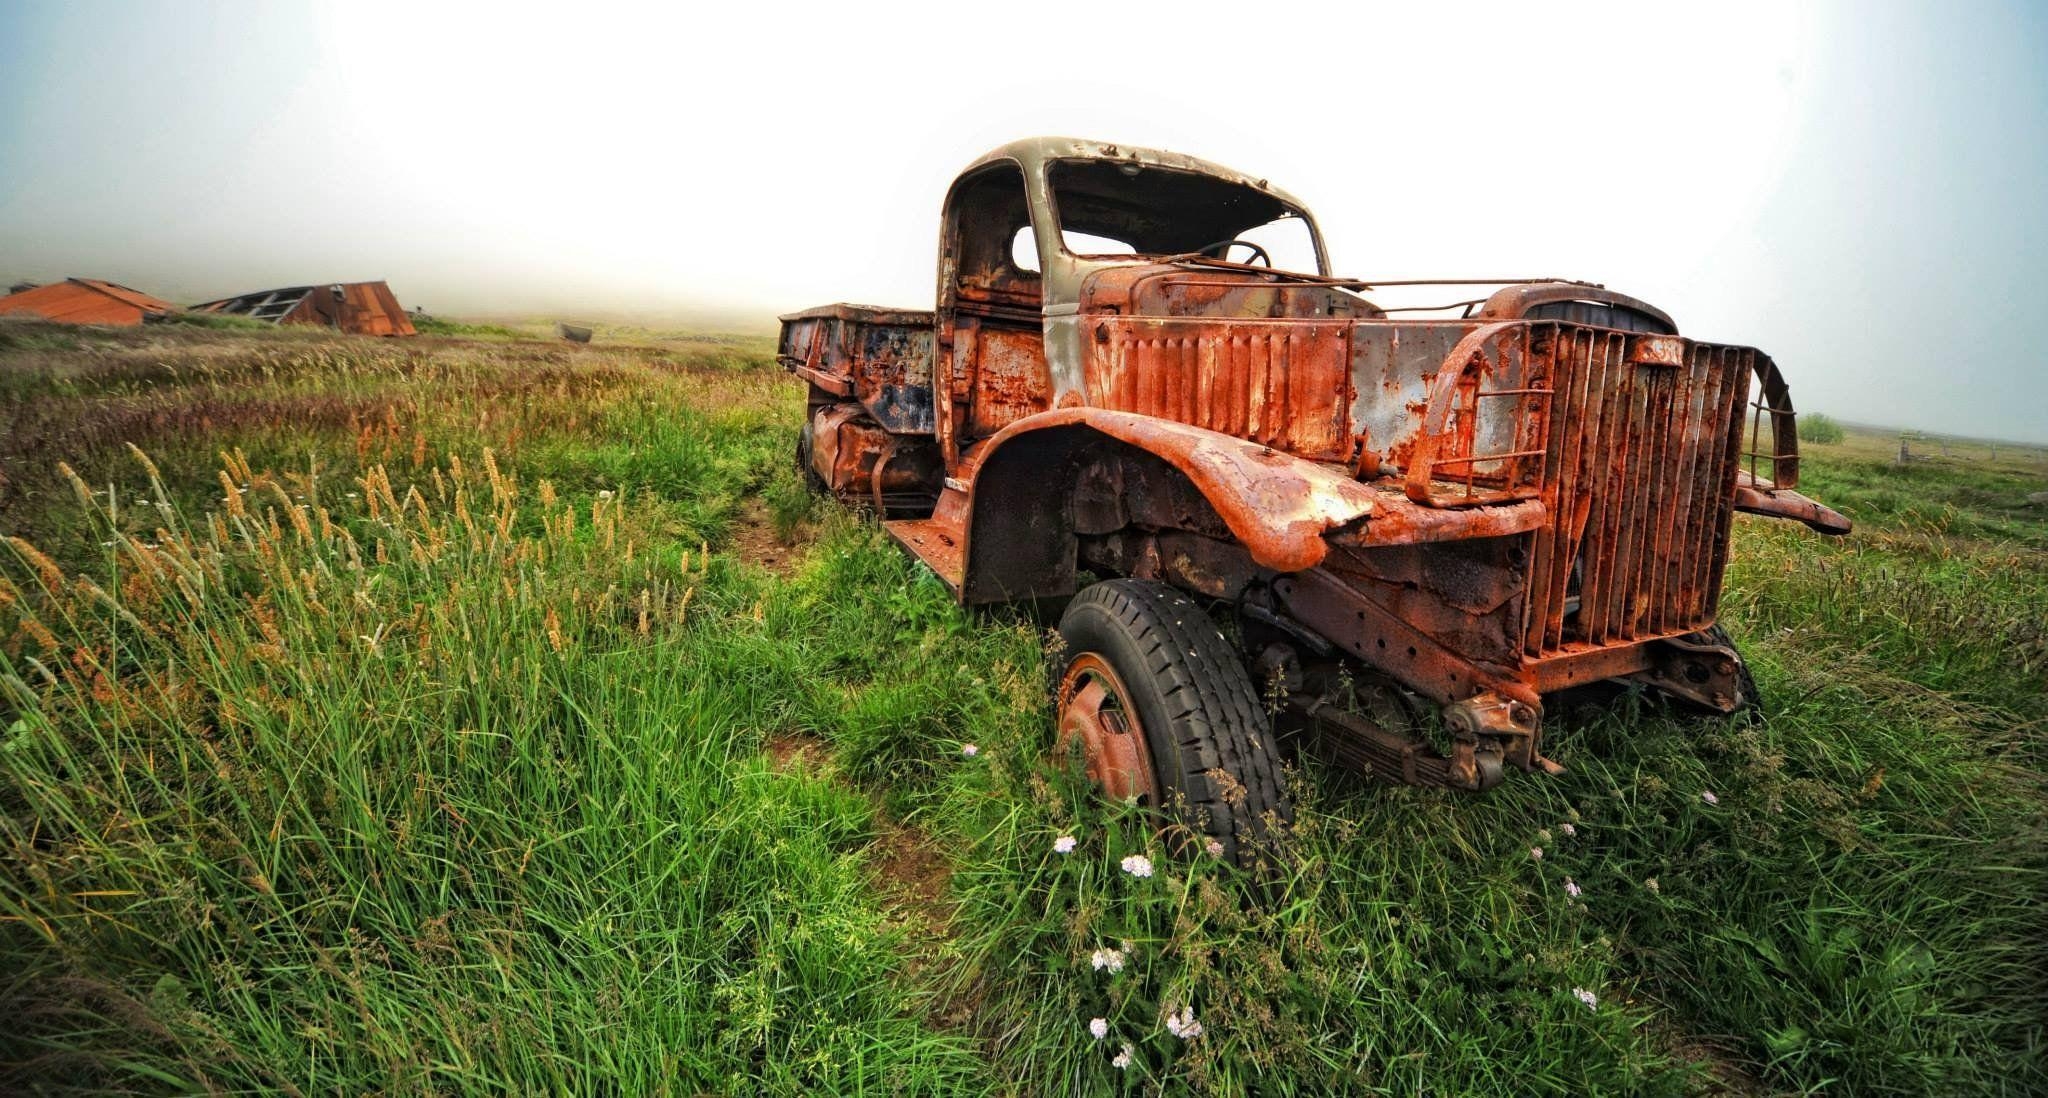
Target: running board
[(939, 541)]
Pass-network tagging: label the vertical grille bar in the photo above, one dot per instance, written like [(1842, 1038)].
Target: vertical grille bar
[(1575, 498), (1595, 606), (1667, 595), (1641, 456), (1710, 487), (1744, 361), (1545, 547), (1659, 498)]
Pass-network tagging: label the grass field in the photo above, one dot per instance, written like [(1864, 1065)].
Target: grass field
[(481, 714)]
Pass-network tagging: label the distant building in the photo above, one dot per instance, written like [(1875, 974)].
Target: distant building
[(365, 308), (85, 301)]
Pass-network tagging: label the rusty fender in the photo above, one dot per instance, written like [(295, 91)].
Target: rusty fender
[(1276, 505), (1285, 511)]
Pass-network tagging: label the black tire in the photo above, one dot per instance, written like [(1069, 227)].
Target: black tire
[(1212, 749), (814, 483)]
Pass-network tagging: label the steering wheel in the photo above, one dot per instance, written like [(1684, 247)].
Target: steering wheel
[(1222, 248)]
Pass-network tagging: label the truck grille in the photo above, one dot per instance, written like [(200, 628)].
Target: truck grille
[(1639, 468)]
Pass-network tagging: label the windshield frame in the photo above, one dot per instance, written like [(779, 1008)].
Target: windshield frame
[(1284, 207)]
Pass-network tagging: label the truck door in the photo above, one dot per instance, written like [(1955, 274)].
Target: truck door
[(990, 314)]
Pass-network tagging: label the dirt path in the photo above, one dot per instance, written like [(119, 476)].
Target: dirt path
[(913, 877), (752, 538)]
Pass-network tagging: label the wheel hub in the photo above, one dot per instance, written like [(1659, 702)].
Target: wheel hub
[(1096, 715)]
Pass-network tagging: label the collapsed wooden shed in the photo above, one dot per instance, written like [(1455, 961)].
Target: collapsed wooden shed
[(365, 308)]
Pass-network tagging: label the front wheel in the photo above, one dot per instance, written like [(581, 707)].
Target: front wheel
[(1161, 708)]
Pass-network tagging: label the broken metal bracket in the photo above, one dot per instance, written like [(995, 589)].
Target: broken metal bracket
[(1697, 670)]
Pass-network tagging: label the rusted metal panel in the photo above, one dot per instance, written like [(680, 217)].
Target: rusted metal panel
[(1391, 367), (865, 463), (370, 308), (880, 357), (1009, 377), (1284, 385), (86, 301)]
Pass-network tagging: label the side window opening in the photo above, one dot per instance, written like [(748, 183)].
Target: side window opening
[(990, 218)]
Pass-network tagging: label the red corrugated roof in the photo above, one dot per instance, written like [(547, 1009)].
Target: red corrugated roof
[(133, 297), (85, 301)]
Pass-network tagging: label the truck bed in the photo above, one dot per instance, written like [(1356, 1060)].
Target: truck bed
[(877, 356)]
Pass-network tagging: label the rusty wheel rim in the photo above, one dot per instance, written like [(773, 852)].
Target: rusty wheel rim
[(1096, 716)]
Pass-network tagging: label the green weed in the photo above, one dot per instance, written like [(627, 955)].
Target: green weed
[(1817, 428)]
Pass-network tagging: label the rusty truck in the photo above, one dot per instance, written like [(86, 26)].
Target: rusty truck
[(1395, 533)]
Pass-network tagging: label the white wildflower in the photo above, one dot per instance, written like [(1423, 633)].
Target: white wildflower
[(1568, 830), (1183, 1024), (604, 493), (1214, 847), (1572, 888), (1122, 1059), (1063, 845), (1110, 959), (1098, 1028), (1708, 796), (1536, 853), (969, 750), (1651, 884), (1582, 995), (1138, 865)]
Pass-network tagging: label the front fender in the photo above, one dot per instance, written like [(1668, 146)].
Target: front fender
[(1020, 541)]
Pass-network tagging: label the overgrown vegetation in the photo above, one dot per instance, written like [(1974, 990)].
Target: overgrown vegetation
[(401, 718), (1815, 427), (219, 322), (442, 326)]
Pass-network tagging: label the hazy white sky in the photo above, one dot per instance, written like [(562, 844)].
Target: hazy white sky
[(1862, 190)]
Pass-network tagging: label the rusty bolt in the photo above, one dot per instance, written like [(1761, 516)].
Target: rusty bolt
[(1522, 715)]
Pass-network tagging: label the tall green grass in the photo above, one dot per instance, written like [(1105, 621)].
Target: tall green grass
[(445, 743), (1814, 427)]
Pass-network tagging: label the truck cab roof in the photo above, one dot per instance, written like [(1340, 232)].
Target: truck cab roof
[(1033, 153)]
